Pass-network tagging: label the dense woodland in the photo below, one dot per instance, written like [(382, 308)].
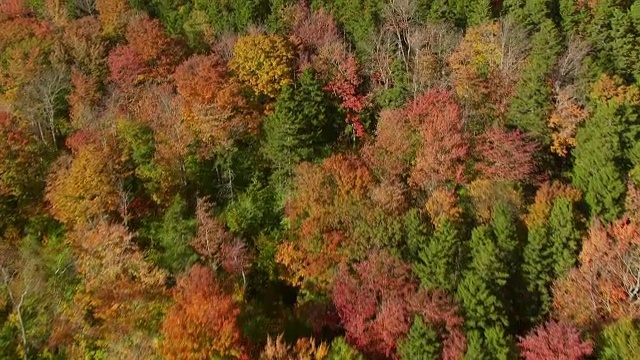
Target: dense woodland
[(324, 179)]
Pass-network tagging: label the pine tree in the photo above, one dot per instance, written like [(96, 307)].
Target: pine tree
[(596, 168), (422, 342), (531, 103), (296, 130), (439, 258)]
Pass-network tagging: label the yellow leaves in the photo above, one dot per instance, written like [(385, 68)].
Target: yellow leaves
[(545, 197), (564, 121), (83, 188), (478, 55), (292, 259), (443, 204), (612, 88), (305, 349), (485, 194), (111, 15), (263, 62)]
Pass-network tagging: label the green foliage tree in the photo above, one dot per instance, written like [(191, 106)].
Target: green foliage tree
[(598, 156), (531, 104), (422, 342), (340, 350), (439, 258), (298, 128), (172, 235), (620, 340)]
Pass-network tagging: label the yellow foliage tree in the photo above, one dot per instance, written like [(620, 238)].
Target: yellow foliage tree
[(477, 57), (83, 187), (263, 62), (485, 194)]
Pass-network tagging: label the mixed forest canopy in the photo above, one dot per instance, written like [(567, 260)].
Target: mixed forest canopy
[(320, 179)]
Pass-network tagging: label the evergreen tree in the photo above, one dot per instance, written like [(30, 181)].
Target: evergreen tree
[(620, 340), (565, 236), (596, 169), (173, 235), (422, 342), (296, 130), (531, 104), (537, 272), (438, 261), (506, 233)]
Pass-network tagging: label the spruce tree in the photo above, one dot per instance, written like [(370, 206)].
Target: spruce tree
[(172, 236), (531, 104), (422, 342), (596, 169), (506, 233), (439, 258), (297, 129), (537, 271), (565, 236)]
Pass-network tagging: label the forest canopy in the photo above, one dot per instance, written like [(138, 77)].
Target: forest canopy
[(319, 179)]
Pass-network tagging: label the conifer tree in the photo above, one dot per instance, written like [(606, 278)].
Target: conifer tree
[(565, 236), (537, 272), (439, 258), (596, 168), (531, 103), (422, 342), (296, 130)]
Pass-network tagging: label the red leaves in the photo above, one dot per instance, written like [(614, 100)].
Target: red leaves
[(438, 308), (200, 78), (443, 145), (506, 155), (125, 67), (345, 86), (202, 323), (142, 58), (378, 301), (555, 340), (214, 243), (374, 302)]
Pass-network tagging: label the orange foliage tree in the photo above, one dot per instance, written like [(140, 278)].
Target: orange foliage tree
[(212, 106), (202, 322), (605, 285), (121, 292)]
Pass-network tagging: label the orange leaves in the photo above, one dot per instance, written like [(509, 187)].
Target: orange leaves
[(112, 15), (443, 205), (564, 121), (305, 349), (390, 152), (119, 287), (213, 107), (607, 278), (202, 323), (612, 88), (544, 199)]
